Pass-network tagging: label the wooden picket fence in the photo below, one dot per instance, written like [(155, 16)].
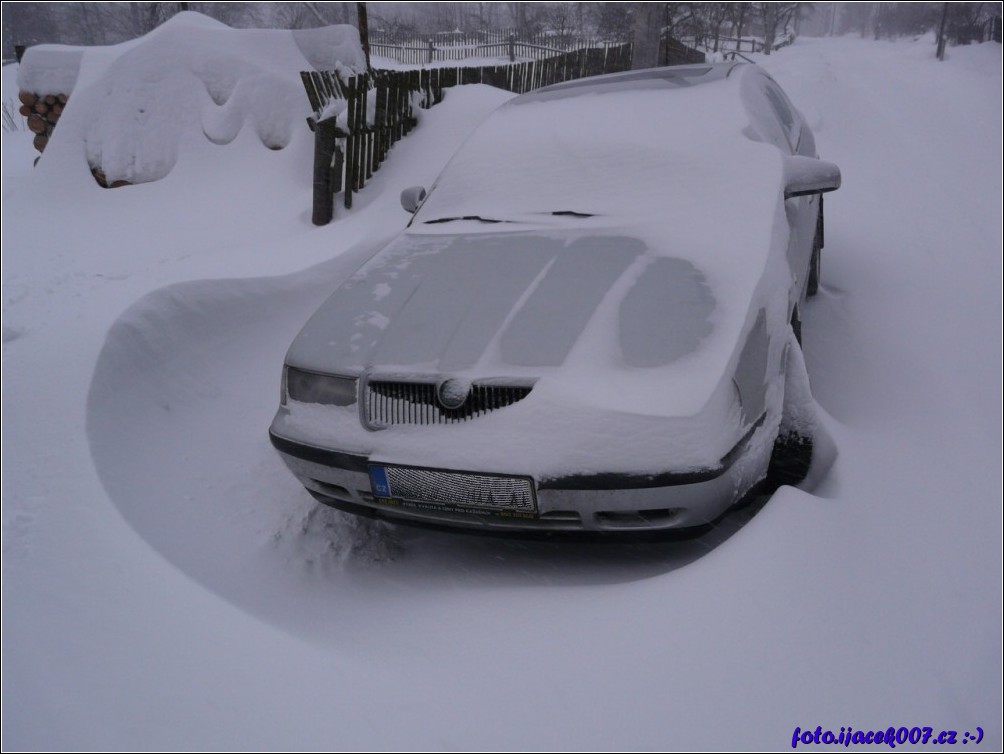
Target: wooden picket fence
[(430, 53), (534, 74), (732, 44), (352, 138), (565, 41), (349, 149)]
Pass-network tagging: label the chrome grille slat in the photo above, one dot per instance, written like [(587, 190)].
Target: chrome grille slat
[(411, 402)]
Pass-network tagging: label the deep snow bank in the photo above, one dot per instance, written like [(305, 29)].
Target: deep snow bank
[(876, 605), (135, 104)]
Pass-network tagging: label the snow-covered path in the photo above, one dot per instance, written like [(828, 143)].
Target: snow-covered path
[(168, 584)]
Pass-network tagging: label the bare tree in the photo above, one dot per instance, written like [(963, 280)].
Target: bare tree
[(777, 20), (394, 26), (968, 22), (612, 20), (713, 17), (769, 15), (526, 17), (236, 14), (647, 31), (739, 16), (941, 34), (485, 15), (29, 24), (563, 19)]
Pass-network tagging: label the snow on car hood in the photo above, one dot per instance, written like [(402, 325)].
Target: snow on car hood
[(511, 302)]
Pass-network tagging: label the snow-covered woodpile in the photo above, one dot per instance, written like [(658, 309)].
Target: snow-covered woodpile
[(140, 106), (42, 112)]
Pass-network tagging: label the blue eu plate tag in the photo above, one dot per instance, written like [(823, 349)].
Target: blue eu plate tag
[(379, 481)]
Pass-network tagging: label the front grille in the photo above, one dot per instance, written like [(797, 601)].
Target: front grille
[(448, 488), (400, 402)]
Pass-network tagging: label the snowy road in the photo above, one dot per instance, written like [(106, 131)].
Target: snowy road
[(168, 584)]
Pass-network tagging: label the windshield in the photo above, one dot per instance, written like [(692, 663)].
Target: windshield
[(579, 156)]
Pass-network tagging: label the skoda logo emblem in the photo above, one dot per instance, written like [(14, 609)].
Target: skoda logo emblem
[(452, 393)]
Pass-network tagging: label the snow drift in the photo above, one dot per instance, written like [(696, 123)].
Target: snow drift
[(136, 104), (168, 585)]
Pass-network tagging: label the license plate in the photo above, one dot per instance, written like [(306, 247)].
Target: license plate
[(454, 491)]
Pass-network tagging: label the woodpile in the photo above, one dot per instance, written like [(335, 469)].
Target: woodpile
[(102, 181), (42, 112)]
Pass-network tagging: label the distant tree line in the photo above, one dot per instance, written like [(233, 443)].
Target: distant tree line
[(612, 21), (964, 22), (99, 23)]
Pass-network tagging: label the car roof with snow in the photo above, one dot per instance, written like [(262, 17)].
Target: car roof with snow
[(628, 146), (676, 76)]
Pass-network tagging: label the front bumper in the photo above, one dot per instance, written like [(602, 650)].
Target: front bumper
[(582, 503)]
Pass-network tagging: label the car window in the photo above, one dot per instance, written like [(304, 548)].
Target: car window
[(766, 121), (781, 108), (784, 112)]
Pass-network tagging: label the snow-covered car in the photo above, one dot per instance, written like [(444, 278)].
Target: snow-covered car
[(591, 322)]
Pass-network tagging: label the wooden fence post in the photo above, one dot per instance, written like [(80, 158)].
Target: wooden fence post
[(325, 133), (350, 141), (370, 131)]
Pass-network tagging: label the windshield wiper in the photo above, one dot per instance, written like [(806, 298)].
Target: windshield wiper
[(476, 218), (479, 219)]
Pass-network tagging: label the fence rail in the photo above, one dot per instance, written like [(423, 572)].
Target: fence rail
[(565, 41), (732, 44), (418, 53), (356, 120)]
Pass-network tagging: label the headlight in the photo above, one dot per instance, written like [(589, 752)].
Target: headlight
[(328, 389)]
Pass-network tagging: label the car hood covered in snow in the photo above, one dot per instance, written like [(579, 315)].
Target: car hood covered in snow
[(511, 302)]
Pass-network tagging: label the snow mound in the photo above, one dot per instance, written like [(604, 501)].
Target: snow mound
[(136, 105), (322, 540), (50, 69)]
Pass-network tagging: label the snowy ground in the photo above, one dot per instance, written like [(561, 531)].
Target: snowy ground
[(167, 584)]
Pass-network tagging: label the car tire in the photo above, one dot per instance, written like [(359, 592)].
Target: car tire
[(790, 460), (791, 456)]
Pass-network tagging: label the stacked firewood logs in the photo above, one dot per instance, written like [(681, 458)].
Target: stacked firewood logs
[(42, 112)]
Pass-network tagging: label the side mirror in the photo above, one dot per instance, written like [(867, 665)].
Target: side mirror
[(807, 175), (412, 198)]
